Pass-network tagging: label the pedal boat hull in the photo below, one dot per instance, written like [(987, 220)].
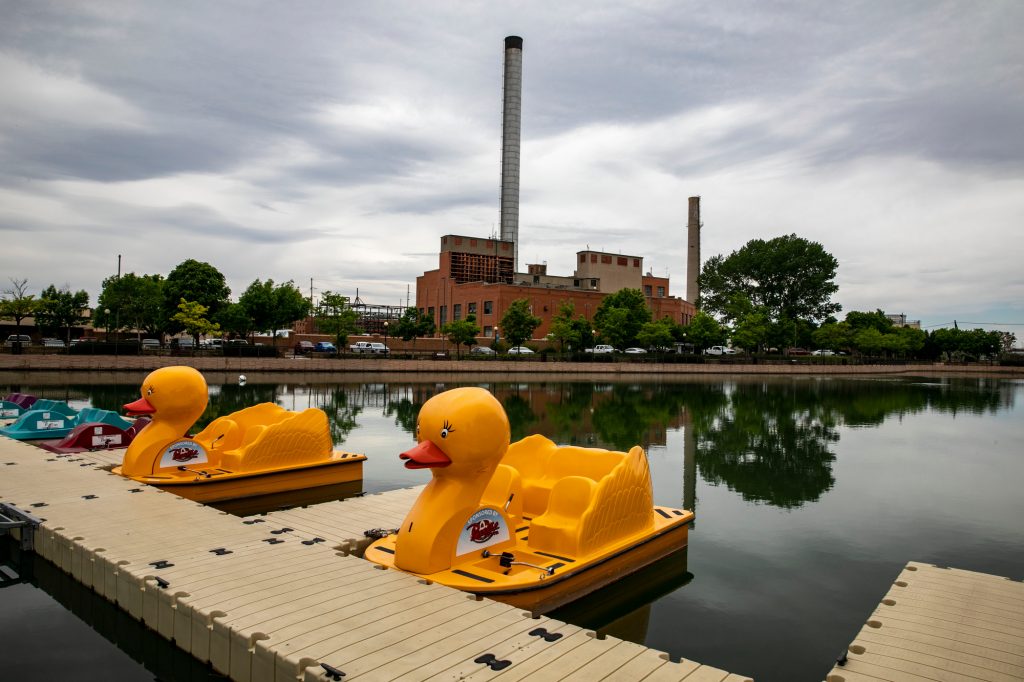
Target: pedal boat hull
[(213, 484)]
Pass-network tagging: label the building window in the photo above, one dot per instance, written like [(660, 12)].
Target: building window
[(536, 279), (488, 307), (636, 262), (472, 242), (421, 311), (471, 308), (647, 291), (504, 246), (661, 292), (606, 260), (488, 331), (457, 312), (593, 284), (444, 316), (583, 258), (430, 312), (576, 283), (623, 261), (593, 258), (458, 241)]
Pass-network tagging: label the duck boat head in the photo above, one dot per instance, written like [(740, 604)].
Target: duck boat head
[(462, 435)]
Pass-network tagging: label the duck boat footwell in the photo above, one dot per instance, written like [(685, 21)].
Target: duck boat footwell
[(531, 524)]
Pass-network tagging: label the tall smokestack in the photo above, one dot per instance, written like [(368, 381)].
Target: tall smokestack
[(510, 124), (693, 252)]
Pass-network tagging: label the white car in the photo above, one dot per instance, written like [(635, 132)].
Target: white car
[(52, 343), (823, 351), (601, 348), (634, 351), (519, 350)]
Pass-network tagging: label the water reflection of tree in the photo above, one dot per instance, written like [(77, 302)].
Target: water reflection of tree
[(520, 415), (405, 411), (341, 413), (768, 445)]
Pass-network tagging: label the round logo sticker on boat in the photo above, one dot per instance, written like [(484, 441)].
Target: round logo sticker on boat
[(183, 452), (484, 528)]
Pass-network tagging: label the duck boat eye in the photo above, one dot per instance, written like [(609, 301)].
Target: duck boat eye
[(446, 429)]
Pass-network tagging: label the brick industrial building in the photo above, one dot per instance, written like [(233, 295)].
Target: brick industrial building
[(475, 277), (480, 277)]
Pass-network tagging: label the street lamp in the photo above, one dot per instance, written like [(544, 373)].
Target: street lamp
[(386, 338), (106, 312)]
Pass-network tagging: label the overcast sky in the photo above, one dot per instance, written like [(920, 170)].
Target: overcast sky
[(339, 141)]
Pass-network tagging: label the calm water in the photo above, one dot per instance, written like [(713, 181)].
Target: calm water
[(810, 496)]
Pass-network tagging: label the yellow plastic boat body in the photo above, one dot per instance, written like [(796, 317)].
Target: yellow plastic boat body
[(259, 450), (531, 524)]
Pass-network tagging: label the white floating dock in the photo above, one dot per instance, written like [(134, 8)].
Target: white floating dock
[(941, 624), (278, 598)]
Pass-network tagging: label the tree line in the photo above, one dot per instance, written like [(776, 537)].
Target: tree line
[(193, 298)]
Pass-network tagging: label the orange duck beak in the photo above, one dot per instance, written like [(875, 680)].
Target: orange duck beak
[(140, 406), (426, 455)]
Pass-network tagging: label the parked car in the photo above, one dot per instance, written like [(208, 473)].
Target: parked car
[(303, 347), (519, 350), (823, 351), (369, 347), (53, 343), (601, 348), (212, 344), (482, 350), (720, 350), (797, 351), (236, 342), (183, 343), (325, 347), (150, 344), (23, 339), (635, 351)]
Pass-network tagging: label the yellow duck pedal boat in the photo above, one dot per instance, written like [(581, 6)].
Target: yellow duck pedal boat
[(260, 450), (531, 524)]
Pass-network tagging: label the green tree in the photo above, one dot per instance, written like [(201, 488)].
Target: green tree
[(876, 320), (412, 325), (833, 336), (289, 306), (198, 282), (273, 307), (869, 341), (192, 317), (17, 303), (656, 335), (335, 316), (753, 330), (234, 318), (621, 315), (567, 330), (462, 333), (518, 323), (62, 309), (134, 302), (788, 276), (704, 331)]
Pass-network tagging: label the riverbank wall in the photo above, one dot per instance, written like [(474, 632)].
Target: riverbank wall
[(361, 365)]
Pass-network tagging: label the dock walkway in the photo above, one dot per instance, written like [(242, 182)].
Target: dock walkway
[(279, 597), (942, 624)]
